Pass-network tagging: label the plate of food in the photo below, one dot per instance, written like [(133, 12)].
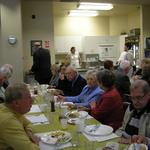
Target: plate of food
[(98, 129), (77, 114), (136, 146), (56, 137)]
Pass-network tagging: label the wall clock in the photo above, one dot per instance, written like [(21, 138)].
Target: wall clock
[(12, 39)]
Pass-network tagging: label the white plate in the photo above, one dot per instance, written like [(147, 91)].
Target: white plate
[(83, 114), (136, 146), (56, 137), (98, 129)]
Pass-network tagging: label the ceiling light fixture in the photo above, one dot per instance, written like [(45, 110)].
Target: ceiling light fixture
[(95, 6), (83, 13)]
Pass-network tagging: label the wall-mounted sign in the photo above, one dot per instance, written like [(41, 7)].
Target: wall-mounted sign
[(33, 48)]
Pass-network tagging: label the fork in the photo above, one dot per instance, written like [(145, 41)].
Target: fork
[(94, 128)]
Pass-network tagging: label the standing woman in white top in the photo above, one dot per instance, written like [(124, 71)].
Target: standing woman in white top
[(73, 58)]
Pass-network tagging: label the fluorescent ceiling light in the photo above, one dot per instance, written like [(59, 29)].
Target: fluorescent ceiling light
[(83, 13), (95, 6)]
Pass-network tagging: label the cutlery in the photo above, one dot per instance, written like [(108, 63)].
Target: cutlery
[(94, 128)]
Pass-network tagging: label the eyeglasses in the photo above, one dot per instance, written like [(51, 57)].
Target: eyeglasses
[(137, 98)]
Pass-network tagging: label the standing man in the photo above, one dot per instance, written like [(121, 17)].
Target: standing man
[(41, 64)]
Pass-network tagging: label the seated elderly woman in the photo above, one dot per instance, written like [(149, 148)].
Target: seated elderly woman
[(109, 109), (62, 81), (9, 70), (91, 92), (55, 76), (4, 75), (137, 116)]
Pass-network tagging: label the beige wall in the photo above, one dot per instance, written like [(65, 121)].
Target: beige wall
[(96, 26), (40, 28), (146, 20), (145, 26), (82, 26), (118, 24), (11, 24), (134, 20)]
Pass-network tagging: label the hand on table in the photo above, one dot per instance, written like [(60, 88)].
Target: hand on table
[(60, 98), (139, 139), (93, 104), (35, 139), (71, 106)]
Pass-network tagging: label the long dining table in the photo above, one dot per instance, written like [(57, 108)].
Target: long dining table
[(53, 124)]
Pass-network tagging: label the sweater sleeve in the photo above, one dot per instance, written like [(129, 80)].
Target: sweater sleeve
[(103, 108), (14, 135)]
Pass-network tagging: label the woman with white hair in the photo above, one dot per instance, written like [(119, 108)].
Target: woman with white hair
[(4, 75), (8, 69)]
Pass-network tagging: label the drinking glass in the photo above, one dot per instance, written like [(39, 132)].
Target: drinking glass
[(63, 121)]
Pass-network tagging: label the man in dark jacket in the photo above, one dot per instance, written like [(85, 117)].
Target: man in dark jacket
[(41, 64), (76, 82)]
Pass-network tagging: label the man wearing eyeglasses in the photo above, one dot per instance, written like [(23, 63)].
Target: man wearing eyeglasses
[(137, 117)]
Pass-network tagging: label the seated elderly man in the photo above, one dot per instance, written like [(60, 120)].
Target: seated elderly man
[(137, 117), (4, 74), (109, 109), (76, 84), (91, 92), (15, 131)]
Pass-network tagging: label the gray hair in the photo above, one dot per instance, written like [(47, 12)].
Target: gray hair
[(4, 71), (9, 66), (124, 64), (72, 68), (14, 92), (106, 78), (91, 72), (140, 84)]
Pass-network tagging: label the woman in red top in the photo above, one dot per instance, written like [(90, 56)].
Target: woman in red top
[(109, 109)]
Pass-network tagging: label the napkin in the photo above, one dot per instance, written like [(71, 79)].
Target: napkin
[(34, 109), (89, 117), (44, 146), (100, 138), (37, 119)]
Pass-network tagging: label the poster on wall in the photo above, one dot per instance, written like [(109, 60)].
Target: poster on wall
[(33, 48)]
